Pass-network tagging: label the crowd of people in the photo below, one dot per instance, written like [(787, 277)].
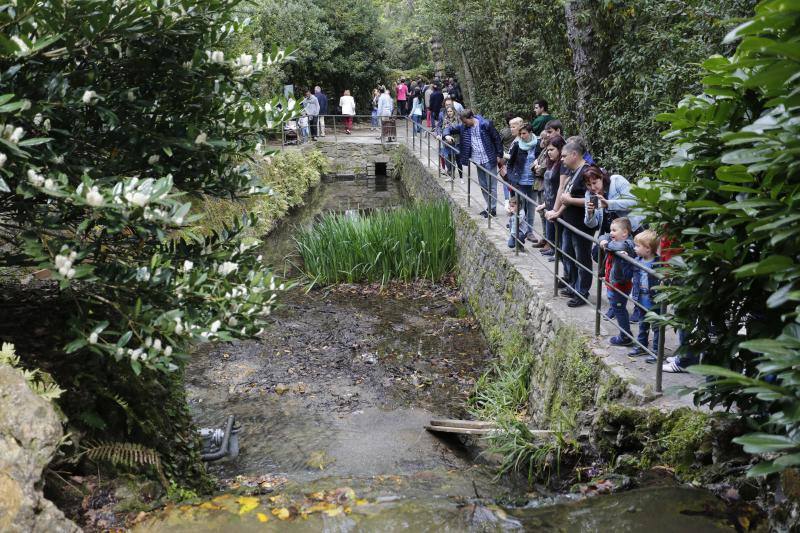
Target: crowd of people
[(545, 171)]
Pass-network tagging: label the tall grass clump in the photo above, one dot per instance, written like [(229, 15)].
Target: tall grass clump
[(409, 243)]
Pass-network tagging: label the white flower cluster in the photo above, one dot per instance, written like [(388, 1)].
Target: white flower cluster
[(34, 178), (246, 66), (216, 56), (94, 198), (64, 261), (137, 192), (227, 267), (201, 138), (12, 134), (89, 97)]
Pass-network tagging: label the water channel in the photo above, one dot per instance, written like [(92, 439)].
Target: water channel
[(333, 398)]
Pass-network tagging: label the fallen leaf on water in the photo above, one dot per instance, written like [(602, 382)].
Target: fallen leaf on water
[(317, 495), (210, 506), (361, 501), (318, 459), (334, 512), (262, 517), (247, 503), (282, 513)]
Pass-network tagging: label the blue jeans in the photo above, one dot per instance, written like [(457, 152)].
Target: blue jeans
[(488, 183), (644, 326), (418, 121), (550, 232), (620, 305), (374, 119), (580, 279), (529, 207)]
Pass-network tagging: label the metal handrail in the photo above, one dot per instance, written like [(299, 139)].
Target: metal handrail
[(559, 254)]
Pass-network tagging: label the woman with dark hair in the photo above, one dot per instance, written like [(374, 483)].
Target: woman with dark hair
[(608, 198), (552, 184)]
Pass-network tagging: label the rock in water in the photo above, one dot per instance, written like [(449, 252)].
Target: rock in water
[(29, 434)]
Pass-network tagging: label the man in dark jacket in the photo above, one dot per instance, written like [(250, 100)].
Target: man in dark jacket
[(436, 101), (479, 142), (323, 109)]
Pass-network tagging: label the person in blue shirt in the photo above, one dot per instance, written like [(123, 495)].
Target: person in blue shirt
[(323, 109), (479, 143)]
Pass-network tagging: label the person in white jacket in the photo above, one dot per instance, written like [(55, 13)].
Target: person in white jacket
[(348, 106), (385, 109)]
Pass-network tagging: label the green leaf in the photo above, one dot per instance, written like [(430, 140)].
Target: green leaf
[(34, 141), (770, 265), (4, 186), (765, 443), (75, 345), (763, 469)]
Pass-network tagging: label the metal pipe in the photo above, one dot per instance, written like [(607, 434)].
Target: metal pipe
[(662, 330), (223, 448)]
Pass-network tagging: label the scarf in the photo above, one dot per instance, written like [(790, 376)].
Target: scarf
[(527, 146)]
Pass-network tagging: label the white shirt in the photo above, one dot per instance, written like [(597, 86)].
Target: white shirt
[(348, 105)]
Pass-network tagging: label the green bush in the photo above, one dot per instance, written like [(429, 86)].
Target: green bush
[(729, 197), (409, 243), (288, 175)]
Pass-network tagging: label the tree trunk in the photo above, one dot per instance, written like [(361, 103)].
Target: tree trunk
[(589, 60), (469, 83), (437, 53)]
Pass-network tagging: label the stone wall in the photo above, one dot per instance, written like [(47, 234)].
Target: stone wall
[(354, 157), (516, 313), (30, 431)]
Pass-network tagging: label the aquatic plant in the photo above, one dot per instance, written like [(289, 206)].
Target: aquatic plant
[(408, 243)]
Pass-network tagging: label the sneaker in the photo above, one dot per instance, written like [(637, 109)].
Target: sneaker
[(566, 292), (548, 252), (575, 302), (552, 258), (672, 367), (531, 238), (484, 213), (637, 352), (651, 359), (512, 242), (494, 212), (620, 340)]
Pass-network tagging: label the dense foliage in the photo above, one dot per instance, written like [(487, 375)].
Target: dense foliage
[(643, 57), (114, 114), (338, 44), (103, 134), (409, 243), (729, 196)]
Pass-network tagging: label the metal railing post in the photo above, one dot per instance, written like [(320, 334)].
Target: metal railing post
[(428, 135), (412, 130), (600, 263), (469, 182), (335, 137), (517, 231), (413, 137), (556, 257), (439, 157), (662, 330)]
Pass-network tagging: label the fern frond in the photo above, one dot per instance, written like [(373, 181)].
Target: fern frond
[(129, 454)]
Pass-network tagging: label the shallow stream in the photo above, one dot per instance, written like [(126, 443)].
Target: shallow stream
[(333, 399)]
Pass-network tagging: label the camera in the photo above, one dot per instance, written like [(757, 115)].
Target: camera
[(593, 201)]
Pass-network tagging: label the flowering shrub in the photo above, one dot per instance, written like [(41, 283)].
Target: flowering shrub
[(111, 113)]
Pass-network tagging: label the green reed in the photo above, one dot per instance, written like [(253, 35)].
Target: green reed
[(408, 243)]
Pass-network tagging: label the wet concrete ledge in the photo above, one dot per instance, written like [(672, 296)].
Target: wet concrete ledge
[(511, 295)]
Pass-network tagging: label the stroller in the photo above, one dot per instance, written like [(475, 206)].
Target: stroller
[(290, 132), (389, 128)]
